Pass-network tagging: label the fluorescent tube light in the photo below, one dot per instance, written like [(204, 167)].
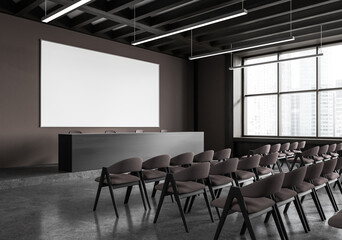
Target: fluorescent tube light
[(288, 39), (64, 10), (193, 26), (276, 61)]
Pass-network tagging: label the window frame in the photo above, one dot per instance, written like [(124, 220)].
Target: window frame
[(317, 90)]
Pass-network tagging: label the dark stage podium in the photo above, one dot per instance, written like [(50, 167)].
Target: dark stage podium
[(80, 152)]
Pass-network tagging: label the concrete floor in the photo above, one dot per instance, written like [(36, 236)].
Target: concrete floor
[(63, 210)]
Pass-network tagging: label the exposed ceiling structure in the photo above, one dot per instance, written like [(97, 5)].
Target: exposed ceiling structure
[(266, 20)]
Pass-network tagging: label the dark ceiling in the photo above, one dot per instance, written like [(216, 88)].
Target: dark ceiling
[(266, 20)]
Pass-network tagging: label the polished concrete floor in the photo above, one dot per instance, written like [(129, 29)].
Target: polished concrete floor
[(63, 210)]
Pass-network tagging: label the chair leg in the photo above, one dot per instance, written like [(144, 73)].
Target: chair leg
[(331, 197), (219, 193), (248, 224), (279, 166), (267, 218), (207, 203), (181, 212), (142, 194), (276, 220), (128, 194), (303, 213), (286, 207), (162, 196), (223, 216), (154, 189), (243, 228), (146, 195), (281, 222), (97, 195), (302, 199), (191, 203), (300, 214), (318, 204), (186, 204)]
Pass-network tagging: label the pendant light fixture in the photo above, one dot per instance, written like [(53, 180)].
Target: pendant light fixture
[(63, 10), (200, 24)]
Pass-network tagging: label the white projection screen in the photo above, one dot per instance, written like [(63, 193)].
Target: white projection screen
[(85, 88)]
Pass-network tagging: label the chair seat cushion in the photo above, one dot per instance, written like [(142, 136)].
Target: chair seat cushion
[(319, 181), (253, 204), (284, 194), (281, 155), (303, 187), (218, 180), (183, 187), (122, 178), (264, 170), (175, 169), (152, 174), (336, 220), (318, 158), (241, 174), (288, 153), (334, 154), (326, 156), (214, 162), (306, 160), (332, 176)]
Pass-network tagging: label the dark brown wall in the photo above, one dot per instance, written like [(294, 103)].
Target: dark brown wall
[(22, 141), (211, 92)]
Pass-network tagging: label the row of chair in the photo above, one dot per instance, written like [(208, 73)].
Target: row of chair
[(266, 195), (151, 170), (290, 153), (188, 175)]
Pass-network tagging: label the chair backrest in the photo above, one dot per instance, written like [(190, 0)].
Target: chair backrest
[(339, 163), (275, 148), (261, 150), (293, 146), (206, 156), (139, 131), (284, 147), (269, 159), (329, 166), (126, 165), (311, 152), (161, 161), (332, 148), (294, 178), (182, 159), (301, 145), (225, 167), (74, 131), (323, 149), (195, 172), (222, 154), (313, 171), (338, 147), (110, 131), (247, 163), (264, 187)]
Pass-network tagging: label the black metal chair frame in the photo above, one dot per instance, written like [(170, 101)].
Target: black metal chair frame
[(235, 192), (105, 175), (170, 180)]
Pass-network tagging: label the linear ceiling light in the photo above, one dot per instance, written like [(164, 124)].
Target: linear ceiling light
[(232, 50), (277, 61), (193, 26), (65, 9)]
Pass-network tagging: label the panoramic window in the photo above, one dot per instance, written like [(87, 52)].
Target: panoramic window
[(300, 98)]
